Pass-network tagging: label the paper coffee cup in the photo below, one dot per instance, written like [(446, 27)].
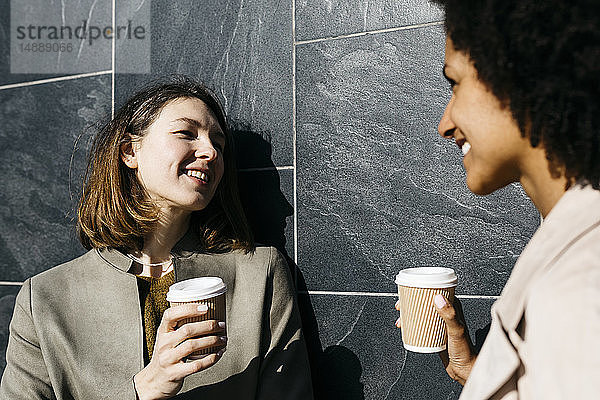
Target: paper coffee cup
[(206, 290), (423, 330)]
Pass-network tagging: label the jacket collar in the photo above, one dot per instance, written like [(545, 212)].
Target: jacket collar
[(577, 211), (115, 258), (184, 248)]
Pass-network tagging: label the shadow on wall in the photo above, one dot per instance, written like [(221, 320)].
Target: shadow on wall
[(336, 371)]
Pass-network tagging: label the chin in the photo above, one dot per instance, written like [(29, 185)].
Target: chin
[(481, 189)]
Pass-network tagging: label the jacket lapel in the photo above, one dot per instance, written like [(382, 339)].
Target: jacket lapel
[(575, 214)]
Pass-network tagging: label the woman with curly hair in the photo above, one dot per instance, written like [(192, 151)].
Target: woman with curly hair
[(160, 205), (525, 107)]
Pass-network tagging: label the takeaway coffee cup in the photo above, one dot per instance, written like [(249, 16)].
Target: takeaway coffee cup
[(423, 330), (206, 290)]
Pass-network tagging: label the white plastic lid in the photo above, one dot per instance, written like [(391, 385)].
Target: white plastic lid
[(427, 277), (196, 289)]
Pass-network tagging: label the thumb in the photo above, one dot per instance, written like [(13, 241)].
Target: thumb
[(448, 314)]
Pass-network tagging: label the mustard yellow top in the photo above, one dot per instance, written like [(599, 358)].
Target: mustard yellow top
[(153, 301)]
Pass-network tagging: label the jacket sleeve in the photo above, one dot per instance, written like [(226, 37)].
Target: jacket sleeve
[(285, 370), (563, 328), (25, 375)]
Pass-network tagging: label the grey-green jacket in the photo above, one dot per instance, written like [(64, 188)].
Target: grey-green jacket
[(76, 331)]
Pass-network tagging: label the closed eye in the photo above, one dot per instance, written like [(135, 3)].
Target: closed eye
[(186, 133), (451, 81)]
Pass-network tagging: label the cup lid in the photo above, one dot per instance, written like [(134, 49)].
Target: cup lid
[(196, 289), (427, 277)]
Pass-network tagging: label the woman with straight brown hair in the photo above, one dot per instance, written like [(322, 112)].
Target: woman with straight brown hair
[(160, 205)]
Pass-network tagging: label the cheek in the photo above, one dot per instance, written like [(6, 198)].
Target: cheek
[(220, 170)]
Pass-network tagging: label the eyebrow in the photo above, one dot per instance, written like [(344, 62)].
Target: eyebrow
[(198, 124)]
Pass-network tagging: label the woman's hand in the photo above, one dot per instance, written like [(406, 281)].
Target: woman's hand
[(163, 377), (459, 357)]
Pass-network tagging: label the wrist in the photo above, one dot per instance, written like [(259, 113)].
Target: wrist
[(465, 372), (140, 387)]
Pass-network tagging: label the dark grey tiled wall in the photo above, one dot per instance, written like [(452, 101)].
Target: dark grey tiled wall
[(321, 19), (334, 106)]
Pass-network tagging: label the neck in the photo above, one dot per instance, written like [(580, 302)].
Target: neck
[(157, 248), (539, 184)]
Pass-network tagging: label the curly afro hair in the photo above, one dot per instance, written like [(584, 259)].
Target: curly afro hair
[(542, 60)]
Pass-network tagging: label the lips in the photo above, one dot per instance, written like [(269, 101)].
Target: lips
[(197, 174)]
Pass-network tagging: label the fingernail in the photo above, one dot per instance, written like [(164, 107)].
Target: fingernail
[(202, 308), (223, 338), (398, 322), (439, 300), (221, 325), (220, 352)]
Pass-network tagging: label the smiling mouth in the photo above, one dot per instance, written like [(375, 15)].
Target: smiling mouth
[(464, 146), (202, 176)]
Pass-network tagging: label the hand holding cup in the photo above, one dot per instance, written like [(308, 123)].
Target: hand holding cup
[(193, 330), (456, 352), (163, 377), (423, 331), (460, 356)]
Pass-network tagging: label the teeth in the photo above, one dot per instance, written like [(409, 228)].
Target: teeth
[(465, 148), (197, 174)]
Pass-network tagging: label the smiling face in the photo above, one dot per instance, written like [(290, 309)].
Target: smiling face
[(493, 148), (179, 160)]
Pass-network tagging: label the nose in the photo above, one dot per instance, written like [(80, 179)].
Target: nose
[(205, 151), (446, 127)]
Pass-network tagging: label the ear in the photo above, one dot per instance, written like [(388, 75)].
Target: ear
[(128, 153)]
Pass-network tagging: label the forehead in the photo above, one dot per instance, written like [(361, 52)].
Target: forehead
[(455, 57), (458, 63), (188, 109)]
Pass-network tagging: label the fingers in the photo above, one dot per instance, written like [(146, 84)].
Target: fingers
[(201, 364), (173, 315), (196, 329), (449, 315), (181, 370), (399, 320), (184, 349)]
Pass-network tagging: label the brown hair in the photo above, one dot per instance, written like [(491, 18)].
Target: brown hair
[(115, 210)]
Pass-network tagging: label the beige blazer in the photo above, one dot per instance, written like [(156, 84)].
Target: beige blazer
[(77, 332), (544, 340)]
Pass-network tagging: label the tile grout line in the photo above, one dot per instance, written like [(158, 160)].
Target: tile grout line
[(52, 80), (282, 168), (294, 140), (385, 294), (113, 42), (334, 293), (375, 32)]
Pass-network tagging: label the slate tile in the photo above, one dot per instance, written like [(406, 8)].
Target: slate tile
[(7, 304), (267, 197), (242, 50), (318, 19), (378, 189), (81, 57), (363, 356), (46, 135)]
